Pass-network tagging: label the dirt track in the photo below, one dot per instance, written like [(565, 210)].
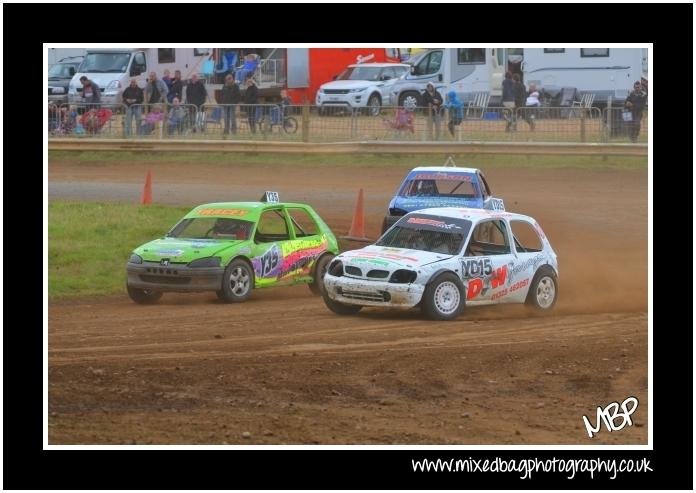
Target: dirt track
[(281, 367)]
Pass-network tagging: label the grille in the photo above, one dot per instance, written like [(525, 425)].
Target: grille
[(162, 270), (380, 296), (335, 91), (353, 271), (165, 279), (378, 274)]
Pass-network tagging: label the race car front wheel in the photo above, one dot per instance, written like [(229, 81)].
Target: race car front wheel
[(143, 296), (317, 286), (443, 298), (237, 282), (543, 291), (340, 308)]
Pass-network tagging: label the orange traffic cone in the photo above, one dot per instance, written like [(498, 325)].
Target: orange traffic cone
[(357, 227), (147, 189)]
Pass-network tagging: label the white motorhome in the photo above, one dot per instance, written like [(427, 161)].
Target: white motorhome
[(112, 68), (602, 71)]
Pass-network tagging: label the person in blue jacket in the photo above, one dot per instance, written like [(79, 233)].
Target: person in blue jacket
[(456, 111)]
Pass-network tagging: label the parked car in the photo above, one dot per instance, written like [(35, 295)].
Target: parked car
[(442, 259), (440, 186), (231, 248), (361, 85), (59, 76)]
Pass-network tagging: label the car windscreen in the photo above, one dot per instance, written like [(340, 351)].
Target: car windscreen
[(360, 73), (61, 70), (458, 185), (222, 228), (436, 234), (105, 62)]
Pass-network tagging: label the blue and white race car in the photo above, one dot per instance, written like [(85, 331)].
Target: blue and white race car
[(441, 186)]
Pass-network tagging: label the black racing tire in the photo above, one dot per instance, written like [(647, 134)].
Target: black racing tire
[(237, 282), (443, 298), (320, 266), (143, 296), (543, 292), (340, 308)]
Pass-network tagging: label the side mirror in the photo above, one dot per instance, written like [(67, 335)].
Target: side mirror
[(439, 77), (71, 71), (413, 70), (386, 77)]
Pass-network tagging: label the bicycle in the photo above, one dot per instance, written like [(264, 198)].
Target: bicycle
[(279, 118)]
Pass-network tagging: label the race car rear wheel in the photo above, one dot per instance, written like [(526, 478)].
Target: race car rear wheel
[(320, 266), (237, 282), (143, 296), (543, 292), (443, 298), (340, 308)]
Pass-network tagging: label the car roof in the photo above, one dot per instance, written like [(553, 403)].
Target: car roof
[(250, 207), (445, 169), (385, 64), (471, 214)]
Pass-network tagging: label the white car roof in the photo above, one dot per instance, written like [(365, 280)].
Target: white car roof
[(380, 65), (471, 214), (445, 169)]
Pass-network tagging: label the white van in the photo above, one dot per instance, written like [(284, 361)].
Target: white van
[(113, 68), (602, 71)]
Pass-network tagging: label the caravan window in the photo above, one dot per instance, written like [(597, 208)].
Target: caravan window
[(594, 52), (430, 64), (469, 56), (554, 50), (165, 55)]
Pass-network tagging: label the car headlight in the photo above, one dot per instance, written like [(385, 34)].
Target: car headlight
[(357, 90), (321, 90), (58, 90), (403, 276), (205, 262), (114, 85), (135, 259), (336, 268)]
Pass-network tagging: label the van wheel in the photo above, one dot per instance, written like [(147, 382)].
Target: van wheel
[(543, 291), (443, 298), (320, 267)]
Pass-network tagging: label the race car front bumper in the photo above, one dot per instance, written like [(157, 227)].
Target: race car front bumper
[(352, 291), (175, 277)]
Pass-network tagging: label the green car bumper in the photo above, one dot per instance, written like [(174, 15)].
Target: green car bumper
[(174, 277)]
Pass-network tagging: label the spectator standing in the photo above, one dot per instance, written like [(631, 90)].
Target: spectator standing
[(530, 106), (231, 95), (167, 79), (520, 96), (91, 94), (509, 100), (176, 90), (251, 96), (636, 102), (133, 98), (155, 90), (196, 95), (433, 101), (455, 108)]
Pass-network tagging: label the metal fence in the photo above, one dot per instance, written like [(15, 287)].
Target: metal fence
[(344, 124)]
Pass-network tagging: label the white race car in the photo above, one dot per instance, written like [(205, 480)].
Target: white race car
[(444, 258)]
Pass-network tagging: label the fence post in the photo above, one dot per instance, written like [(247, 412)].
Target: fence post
[(609, 119), (583, 136), (354, 123), (305, 122)]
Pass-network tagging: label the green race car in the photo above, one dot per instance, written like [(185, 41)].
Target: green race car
[(233, 247)]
